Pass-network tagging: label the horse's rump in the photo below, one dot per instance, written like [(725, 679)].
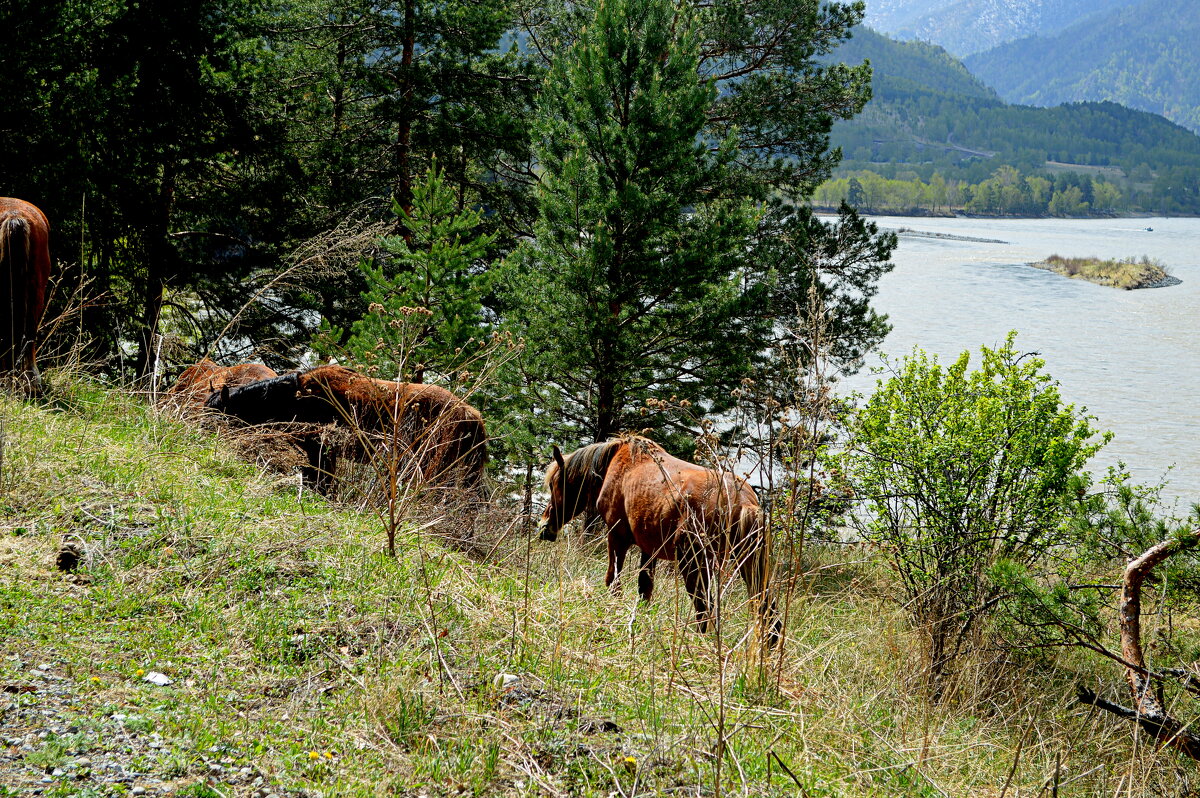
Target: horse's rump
[(24, 274)]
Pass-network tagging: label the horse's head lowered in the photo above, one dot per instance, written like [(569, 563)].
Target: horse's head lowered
[(574, 483)]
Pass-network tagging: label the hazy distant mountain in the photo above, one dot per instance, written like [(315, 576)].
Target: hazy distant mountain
[(972, 26), (1146, 56), (889, 16)]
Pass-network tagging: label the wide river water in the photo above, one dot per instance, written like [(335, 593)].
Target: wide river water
[(1132, 358)]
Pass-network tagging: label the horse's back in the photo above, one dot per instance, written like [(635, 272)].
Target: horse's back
[(448, 433), (661, 496), (199, 380)]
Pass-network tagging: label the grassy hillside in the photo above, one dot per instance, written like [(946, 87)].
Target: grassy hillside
[(304, 662), (1144, 57)]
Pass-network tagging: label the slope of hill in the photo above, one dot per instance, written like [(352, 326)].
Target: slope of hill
[(913, 64), (1145, 57), (224, 634), (926, 107), (971, 26)]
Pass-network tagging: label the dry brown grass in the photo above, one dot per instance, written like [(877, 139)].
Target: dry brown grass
[(1128, 273)]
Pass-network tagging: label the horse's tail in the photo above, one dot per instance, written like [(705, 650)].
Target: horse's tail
[(471, 453), (752, 550), (15, 237)]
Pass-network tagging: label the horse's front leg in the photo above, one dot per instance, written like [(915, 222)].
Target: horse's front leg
[(322, 463), (694, 565)]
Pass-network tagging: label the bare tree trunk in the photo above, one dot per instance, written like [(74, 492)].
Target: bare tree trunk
[(1148, 711), (404, 133)]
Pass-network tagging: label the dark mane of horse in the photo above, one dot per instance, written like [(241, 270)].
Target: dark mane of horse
[(258, 402), (586, 466)]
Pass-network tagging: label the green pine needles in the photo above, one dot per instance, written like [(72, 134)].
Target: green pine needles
[(631, 287), (427, 297)]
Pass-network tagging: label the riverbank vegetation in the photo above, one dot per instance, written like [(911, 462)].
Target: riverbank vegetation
[(1007, 192), (1127, 273)]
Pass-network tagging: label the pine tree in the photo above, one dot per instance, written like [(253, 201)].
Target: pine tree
[(633, 288), (424, 294)]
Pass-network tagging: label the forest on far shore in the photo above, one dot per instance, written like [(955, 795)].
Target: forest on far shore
[(1006, 193)]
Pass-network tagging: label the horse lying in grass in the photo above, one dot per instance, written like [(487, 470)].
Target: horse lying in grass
[(672, 510), (422, 426), (24, 273), (198, 382)]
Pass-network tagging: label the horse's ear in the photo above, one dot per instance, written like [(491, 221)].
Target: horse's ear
[(224, 394), (558, 458)]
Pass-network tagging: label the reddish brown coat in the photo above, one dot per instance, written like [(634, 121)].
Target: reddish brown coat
[(443, 434), (197, 382), (670, 509), (24, 274)]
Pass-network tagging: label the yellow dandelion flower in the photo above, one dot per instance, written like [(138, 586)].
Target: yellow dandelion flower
[(313, 755)]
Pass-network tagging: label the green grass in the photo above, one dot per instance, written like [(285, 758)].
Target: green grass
[(1127, 273), (299, 649)]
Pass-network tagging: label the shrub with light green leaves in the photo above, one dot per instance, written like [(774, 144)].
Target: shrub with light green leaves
[(962, 471)]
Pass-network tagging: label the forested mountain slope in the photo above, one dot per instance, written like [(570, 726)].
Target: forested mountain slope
[(927, 109), (916, 65), (1145, 56), (930, 117)]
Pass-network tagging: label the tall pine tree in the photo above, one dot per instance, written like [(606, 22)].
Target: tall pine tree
[(633, 288)]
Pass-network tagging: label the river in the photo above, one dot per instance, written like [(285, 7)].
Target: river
[(1132, 358)]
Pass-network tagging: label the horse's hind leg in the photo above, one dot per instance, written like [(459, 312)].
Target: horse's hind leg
[(754, 566), (693, 565), (28, 367), (646, 576)]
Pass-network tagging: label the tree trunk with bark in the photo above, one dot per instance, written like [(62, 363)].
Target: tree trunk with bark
[(1148, 710)]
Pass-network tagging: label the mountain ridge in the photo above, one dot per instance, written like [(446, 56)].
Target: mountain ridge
[(1143, 56), (966, 27), (931, 116)]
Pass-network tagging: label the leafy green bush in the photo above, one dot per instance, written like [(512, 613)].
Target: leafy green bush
[(961, 471)]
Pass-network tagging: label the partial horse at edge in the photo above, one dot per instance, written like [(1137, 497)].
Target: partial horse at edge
[(24, 275)]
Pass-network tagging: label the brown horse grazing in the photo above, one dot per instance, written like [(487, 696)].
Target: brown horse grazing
[(24, 273), (428, 426), (672, 510), (197, 382)]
